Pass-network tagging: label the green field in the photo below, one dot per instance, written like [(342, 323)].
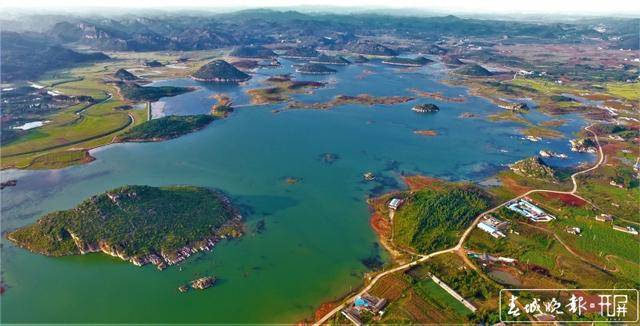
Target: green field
[(433, 293), (60, 159), (629, 91), (71, 127)]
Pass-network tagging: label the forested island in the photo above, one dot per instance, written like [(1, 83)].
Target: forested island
[(164, 128), (134, 92), (140, 224), (314, 69), (220, 71), (407, 62)]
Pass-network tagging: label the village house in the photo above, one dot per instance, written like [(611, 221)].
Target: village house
[(574, 230), (604, 218), (627, 229), (493, 226), (394, 204), (365, 303)]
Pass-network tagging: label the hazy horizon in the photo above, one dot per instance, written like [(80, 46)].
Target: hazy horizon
[(462, 7)]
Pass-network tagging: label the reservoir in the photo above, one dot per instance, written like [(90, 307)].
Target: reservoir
[(316, 231)]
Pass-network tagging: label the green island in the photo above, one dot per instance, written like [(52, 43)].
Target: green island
[(252, 51), (140, 224), (314, 69), (330, 60), (362, 99), (164, 128), (281, 90), (303, 52), (407, 62), (219, 71), (134, 92), (425, 108)]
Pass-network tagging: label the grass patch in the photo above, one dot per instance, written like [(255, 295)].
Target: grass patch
[(69, 128), (628, 91), (542, 132), (58, 160), (432, 292)]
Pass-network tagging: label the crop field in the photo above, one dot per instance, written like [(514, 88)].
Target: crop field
[(629, 91), (94, 127), (56, 160), (437, 296), (99, 120), (390, 287)]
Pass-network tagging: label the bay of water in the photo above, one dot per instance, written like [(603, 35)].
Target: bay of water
[(317, 231)]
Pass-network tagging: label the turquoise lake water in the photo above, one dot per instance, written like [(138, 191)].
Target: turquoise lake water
[(316, 231)]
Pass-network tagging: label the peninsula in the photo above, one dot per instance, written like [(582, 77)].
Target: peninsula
[(164, 128)]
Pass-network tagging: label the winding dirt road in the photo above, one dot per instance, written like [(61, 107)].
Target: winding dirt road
[(467, 232)]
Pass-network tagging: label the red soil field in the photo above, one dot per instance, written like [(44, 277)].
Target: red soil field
[(567, 199)]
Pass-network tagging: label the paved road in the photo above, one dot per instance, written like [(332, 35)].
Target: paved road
[(466, 233)]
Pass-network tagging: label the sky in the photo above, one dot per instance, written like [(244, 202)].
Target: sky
[(590, 7)]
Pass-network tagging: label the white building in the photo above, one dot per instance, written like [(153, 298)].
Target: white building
[(493, 226), (531, 211), (395, 203)]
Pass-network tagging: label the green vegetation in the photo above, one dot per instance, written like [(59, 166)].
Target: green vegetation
[(27, 56), (626, 132), (123, 74), (629, 91), (301, 52), (330, 60), (431, 219), (166, 128), (419, 61), (534, 167), (220, 71), (131, 220), (70, 127), (542, 132), (433, 293), (282, 91), (426, 107), (135, 92), (474, 70), (58, 160), (255, 51), (314, 69)]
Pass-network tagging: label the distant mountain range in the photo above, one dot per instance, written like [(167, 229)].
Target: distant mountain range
[(27, 56), (27, 53)]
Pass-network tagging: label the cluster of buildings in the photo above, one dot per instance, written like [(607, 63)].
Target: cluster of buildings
[(365, 303), (530, 211), (609, 218)]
